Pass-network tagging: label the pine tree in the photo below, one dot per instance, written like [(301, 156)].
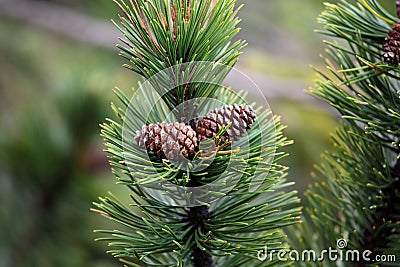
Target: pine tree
[(202, 165), (355, 201)]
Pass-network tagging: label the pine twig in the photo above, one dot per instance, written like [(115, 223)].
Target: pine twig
[(383, 215), (396, 170), (197, 216)]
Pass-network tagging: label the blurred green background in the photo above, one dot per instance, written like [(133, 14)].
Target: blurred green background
[(58, 66)]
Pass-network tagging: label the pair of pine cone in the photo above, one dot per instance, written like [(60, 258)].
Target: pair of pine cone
[(175, 141)]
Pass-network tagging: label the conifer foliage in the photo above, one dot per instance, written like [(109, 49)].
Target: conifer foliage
[(213, 154), (356, 196)]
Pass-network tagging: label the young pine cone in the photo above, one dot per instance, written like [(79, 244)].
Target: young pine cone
[(391, 47), (168, 140), (241, 118)]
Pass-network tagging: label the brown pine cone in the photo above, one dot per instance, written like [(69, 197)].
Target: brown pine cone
[(241, 118), (168, 140), (391, 47)]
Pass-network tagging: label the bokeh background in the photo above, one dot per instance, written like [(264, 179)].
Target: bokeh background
[(58, 66)]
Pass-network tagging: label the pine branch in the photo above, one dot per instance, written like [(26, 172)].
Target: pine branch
[(375, 238), (356, 194), (354, 197), (205, 210), (196, 221), (197, 217), (396, 170), (161, 34), (234, 228)]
